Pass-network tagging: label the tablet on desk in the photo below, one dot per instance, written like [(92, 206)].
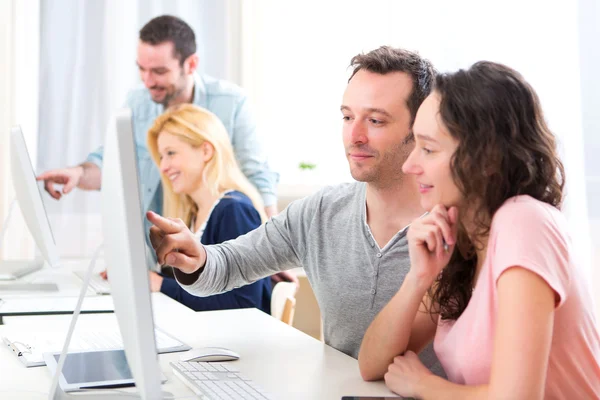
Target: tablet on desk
[(99, 369), (92, 369)]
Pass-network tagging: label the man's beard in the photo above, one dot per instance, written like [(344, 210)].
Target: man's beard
[(389, 168), (170, 96), (178, 88)]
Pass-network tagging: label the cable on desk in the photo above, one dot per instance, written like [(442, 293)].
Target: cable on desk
[(65, 349)]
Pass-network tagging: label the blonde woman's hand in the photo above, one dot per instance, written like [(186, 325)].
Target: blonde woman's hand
[(175, 244), (431, 241), (155, 281)]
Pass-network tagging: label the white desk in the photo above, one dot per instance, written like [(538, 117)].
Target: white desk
[(286, 362), (68, 283), (69, 286)]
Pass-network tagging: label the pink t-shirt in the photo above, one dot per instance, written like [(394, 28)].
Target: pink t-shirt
[(530, 234)]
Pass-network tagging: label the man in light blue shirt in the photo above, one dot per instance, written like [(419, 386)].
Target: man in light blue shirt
[(167, 63)]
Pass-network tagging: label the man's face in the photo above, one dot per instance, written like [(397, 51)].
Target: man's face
[(376, 125), (160, 71)]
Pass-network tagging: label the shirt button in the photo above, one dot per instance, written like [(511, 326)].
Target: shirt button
[(373, 291), (378, 255)]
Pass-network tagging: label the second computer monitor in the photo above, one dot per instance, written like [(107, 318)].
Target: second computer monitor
[(124, 246), (31, 204)]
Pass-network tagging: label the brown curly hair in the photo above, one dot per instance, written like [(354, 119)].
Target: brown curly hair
[(505, 149)]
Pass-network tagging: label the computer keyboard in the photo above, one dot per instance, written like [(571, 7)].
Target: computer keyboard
[(217, 381), (97, 283)]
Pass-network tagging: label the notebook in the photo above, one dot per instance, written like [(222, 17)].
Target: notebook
[(29, 346)]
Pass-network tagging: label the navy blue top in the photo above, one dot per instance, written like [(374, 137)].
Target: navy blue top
[(233, 216)]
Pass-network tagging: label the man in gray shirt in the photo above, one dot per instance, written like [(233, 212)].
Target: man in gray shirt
[(350, 238)]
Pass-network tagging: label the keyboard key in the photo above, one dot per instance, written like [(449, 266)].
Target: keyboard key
[(230, 367), (220, 367)]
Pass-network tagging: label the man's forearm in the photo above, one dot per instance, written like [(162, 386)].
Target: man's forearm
[(91, 179), (260, 253)]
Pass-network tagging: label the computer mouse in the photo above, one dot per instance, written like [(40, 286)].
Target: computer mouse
[(204, 354)]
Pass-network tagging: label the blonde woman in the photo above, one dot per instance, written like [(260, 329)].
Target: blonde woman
[(203, 186)]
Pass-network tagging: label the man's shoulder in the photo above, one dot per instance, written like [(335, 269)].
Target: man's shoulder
[(139, 100), (219, 87), (138, 93), (341, 191), (337, 197)]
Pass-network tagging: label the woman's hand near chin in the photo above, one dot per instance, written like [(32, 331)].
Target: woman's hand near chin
[(431, 241)]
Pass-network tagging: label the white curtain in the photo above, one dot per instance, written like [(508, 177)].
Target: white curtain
[(296, 56), (87, 65), (589, 33), (19, 52)]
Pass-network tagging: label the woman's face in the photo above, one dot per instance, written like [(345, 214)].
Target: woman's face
[(430, 159), (182, 163)]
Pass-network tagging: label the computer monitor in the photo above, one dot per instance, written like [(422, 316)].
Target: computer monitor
[(32, 207), (124, 248)]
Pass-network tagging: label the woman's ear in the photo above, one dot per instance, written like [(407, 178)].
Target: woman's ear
[(208, 151)]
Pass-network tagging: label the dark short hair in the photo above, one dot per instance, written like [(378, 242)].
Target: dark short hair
[(387, 59), (167, 28)]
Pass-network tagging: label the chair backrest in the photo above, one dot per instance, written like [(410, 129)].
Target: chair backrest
[(283, 301), (289, 309)]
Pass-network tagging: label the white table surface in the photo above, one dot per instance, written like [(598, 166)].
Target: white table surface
[(284, 361), (68, 283)]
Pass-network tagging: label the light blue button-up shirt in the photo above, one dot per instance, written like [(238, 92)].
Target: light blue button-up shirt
[(230, 104)]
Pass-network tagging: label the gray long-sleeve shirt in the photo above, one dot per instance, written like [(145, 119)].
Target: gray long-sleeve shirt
[(327, 234)]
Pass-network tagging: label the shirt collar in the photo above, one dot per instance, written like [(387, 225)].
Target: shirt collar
[(367, 230), (199, 91)]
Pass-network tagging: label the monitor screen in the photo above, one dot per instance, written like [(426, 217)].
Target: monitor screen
[(30, 198)]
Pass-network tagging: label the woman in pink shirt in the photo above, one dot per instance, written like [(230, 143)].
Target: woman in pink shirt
[(493, 278)]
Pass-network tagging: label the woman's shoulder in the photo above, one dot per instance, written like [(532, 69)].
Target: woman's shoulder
[(526, 211), (233, 216), (235, 203), (235, 199)]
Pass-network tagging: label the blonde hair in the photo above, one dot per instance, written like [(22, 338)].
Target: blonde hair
[(195, 125)]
